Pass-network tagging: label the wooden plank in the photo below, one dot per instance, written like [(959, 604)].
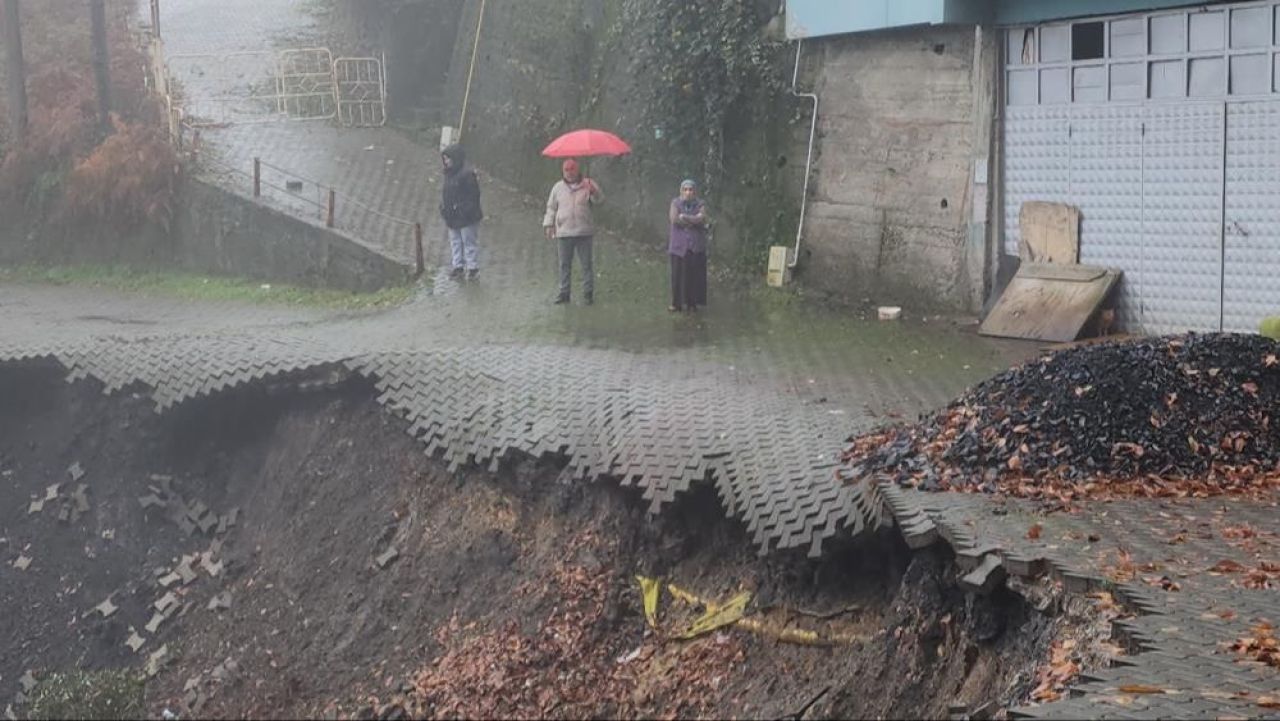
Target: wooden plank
[(1048, 309), (1050, 233)]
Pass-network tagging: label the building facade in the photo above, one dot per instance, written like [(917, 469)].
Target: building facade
[(1159, 120)]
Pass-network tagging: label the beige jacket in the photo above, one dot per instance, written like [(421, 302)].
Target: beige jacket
[(569, 209)]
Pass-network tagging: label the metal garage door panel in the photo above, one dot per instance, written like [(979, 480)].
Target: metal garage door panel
[(1106, 184), (1037, 162), (1252, 235), (1182, 217)]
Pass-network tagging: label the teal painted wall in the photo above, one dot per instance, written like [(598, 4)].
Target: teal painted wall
[(815, 18)]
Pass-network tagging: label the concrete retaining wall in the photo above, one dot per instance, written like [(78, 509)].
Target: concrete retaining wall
[(896, 213), (216, 232)]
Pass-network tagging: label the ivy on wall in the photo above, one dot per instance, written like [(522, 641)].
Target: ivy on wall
[(695, 64)]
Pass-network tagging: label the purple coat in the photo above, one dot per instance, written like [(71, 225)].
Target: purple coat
[(687, 237)]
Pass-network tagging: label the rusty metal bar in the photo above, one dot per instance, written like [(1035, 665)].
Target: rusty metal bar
[(420, 261)]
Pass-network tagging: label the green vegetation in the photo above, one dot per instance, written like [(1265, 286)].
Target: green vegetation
[(89, 695), (199, 287)]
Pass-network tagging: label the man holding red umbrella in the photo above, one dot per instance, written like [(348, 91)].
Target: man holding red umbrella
[(568, 217), (569, 220)]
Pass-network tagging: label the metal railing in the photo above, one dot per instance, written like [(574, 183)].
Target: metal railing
[(288, 190)]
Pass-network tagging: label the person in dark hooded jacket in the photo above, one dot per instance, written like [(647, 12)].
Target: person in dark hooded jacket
[(460, 208)]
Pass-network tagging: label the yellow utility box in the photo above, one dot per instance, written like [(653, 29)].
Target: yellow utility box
[(779, 274)]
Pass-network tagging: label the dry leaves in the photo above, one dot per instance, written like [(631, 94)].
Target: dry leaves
[(1262, 646), (1052, 678)]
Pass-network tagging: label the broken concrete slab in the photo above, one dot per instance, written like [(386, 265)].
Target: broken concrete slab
[(35, 507), (64, 514), (169, 579), (135, 641), (220, 602), (76, 471), (151, 500), (106, 608), (387, 557), (23, 563), (51, 493), (186, 525)]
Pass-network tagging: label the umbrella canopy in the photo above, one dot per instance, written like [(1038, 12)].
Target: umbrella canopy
[(585, 144)]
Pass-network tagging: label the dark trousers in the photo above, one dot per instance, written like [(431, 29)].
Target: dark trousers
[(582, 244), (689, 280)]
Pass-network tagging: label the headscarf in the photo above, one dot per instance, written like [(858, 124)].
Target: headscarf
[(688, 183)]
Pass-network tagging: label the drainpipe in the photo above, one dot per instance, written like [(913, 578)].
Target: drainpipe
[(808, 163)]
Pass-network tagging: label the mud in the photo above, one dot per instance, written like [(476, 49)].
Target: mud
[(360, 578)]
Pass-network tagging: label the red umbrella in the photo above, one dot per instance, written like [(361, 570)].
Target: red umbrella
[(586, 143)]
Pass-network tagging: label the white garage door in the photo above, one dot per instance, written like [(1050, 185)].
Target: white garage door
[(1164, 129)]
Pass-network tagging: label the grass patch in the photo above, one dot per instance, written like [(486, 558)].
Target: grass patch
[(89, 695), (200, 287)]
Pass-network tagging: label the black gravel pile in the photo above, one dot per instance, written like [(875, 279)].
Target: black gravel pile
[(1177, 407)]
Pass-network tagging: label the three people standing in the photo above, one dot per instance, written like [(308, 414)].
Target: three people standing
[(569, 221), (687, 248), (460, 208)]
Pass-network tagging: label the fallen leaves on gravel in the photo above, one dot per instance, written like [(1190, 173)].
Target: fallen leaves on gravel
[(1173, 417), (1262, 646)]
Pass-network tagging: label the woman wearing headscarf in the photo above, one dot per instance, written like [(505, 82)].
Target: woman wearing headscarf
[(687, 249)]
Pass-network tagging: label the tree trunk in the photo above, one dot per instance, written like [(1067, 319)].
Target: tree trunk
[(16, 69), (101, 62)]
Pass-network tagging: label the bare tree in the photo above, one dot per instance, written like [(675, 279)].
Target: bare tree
[(101, 67), (16, 68)]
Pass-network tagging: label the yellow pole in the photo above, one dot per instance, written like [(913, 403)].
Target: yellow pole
[(475, 49)]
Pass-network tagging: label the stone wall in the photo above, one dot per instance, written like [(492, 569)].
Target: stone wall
[(904, 124)]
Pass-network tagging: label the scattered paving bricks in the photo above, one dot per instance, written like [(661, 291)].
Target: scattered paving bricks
[(185, 570), (23, 563), (167, 604), (135, 642), (106, 609), (35, 507), (213, 569), (387, 557), (156, 661), (151, 500), (51, 493), (220, 601), (76, 472), (169, 579)]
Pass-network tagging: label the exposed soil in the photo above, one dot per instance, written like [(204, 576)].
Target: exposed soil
[(1177, 416), (365, 580)]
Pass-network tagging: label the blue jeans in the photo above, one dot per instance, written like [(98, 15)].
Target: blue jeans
[(466, 253)]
